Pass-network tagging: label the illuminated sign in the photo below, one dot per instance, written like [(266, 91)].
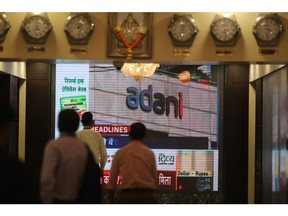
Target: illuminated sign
[(78, 103), (166, 159), (111, 129), (156, 102)]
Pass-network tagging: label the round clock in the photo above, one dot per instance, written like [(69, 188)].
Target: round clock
[(79, 28), (267, 29), (4, 27), (36, 28), (224, 30), (182, 30)]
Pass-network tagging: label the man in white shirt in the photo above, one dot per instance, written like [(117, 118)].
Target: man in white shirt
[(94, 141), (64, 163)]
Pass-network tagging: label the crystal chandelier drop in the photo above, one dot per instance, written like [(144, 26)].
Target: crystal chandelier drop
[(139, 70)]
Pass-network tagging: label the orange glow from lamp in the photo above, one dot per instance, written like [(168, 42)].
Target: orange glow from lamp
[(184, 77), (139, 70)]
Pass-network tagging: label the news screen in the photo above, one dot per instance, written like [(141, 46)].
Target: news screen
[(181, 118)]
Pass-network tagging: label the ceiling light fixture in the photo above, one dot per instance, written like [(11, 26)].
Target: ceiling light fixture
[(139, 70)]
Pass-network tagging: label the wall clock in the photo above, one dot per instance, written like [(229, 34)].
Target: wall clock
[(182, 30), (4, 27), (267, 29), (78, 28), (36, 28), (225, 30)]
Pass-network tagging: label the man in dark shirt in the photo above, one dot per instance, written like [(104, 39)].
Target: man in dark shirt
[(16, 187)]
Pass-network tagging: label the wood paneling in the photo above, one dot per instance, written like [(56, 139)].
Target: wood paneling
[(258, 143), (38, 111), (235, 133), (9, 94)]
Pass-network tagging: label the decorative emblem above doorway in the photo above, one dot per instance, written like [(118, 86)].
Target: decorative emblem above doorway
[(130, 35)]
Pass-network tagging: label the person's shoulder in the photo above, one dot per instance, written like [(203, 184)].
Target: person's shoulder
[(62, 141), (96, 132), (120, 151), (79, 132), (51, 142), (147, 148), (90, 131)]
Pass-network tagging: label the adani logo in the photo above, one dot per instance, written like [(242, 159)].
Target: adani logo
[(156, 102)]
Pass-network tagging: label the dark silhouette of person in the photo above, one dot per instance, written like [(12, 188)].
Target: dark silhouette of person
[(16, 185), (68, 168), (63, 163), (136, 164)]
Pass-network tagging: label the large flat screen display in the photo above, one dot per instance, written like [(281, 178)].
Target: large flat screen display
[(181, 118)]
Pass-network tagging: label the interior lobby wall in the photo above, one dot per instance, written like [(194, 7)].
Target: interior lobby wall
[(202, 50)]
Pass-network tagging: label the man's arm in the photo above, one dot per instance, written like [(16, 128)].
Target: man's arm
[(154, 171), (103, 152)]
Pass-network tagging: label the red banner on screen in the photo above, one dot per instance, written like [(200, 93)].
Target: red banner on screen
[(112, 129)]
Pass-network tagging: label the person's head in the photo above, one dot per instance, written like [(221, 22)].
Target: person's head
[(87, 118), (137, 131), (68, 121), (7, 116)]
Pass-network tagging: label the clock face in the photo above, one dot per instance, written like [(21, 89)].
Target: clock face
[(267, 29), (182, 29), (37, 27), (79, 27), (3, 26), (224, 29)]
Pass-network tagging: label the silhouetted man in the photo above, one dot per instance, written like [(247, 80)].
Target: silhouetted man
[(136, 164), (64, 163)]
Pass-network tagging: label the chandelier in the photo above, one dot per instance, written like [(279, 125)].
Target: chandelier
[(139, 70)]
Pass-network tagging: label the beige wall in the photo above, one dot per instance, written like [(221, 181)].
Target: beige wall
[(17, 69), (203, 48)]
